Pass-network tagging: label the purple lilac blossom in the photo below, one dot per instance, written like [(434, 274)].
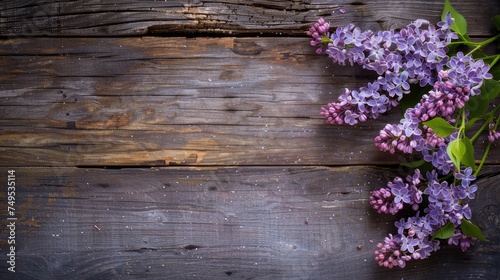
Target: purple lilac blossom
[(391, 199), (413, 55), (399, 249), (439, 159), (446, 203), (451, 91), (460, 239), (318, 32), (466, 177), (465, 189)]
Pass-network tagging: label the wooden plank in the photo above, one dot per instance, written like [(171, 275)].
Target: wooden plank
[(161, 101), (226, 17), (80, 87), (210, 223)]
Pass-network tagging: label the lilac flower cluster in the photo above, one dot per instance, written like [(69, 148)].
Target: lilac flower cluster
[(319, 33), (413, 55), (462, 79), (398, 192), (447, 203), (417, 54)]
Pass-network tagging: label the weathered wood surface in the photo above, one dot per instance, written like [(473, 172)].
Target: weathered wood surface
[(173, 101), (262, 17), (226, 222), (164, 101), (141, 153)]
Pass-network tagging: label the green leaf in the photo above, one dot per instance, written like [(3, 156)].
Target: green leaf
[(461, 151), (413, 164), (458, 148), (479, 104), (479, 54), (495, 71), (415, 95), (460, 24), (488, 59), (456, 151), (441, 127), (421, 164), (471, 122), (490, 88), (468, 158), (445, 232), (471, 230), (496, 21)]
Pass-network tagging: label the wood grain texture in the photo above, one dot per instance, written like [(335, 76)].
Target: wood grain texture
[(163, 101), (182, 140), (196, 17), (215, 223)]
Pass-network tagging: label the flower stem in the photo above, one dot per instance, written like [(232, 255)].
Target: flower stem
[(487, 150), (485, 155), (482, 44), (494, 61), (479, 131), (489, 119)]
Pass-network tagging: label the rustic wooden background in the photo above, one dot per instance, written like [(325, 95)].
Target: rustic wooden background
[(182, 140)]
